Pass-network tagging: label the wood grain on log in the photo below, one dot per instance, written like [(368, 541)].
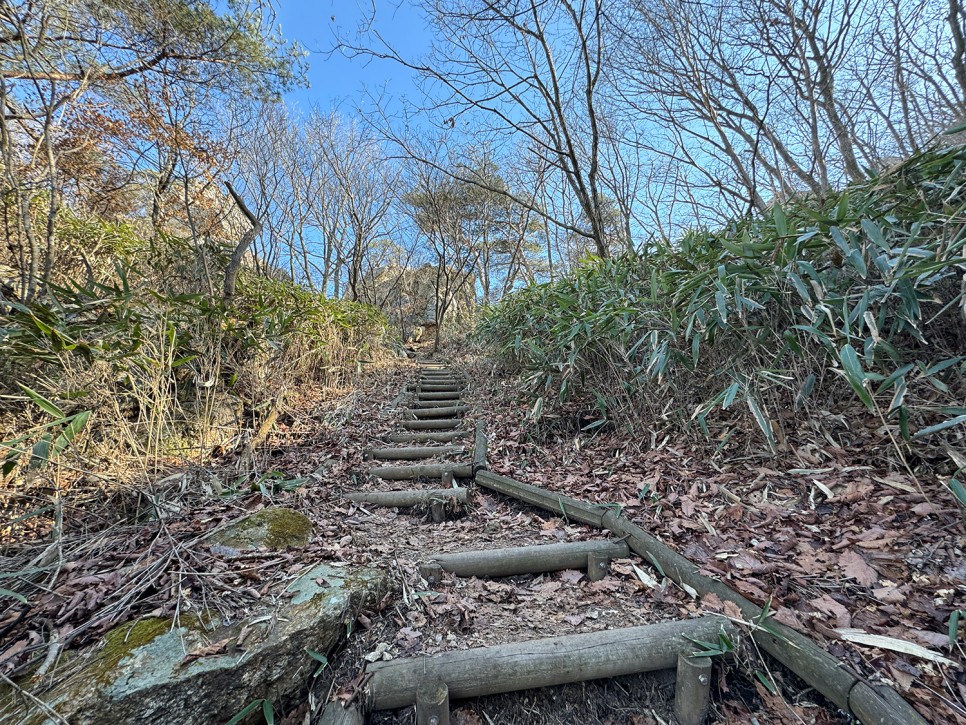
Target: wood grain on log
[(432, 702), (409, 497), (413, 454), (479, 446), (431, 424), (448, 402), (527, 559), (437, 396), (692, 689), (429, 470), (428, 437), (449, 412)]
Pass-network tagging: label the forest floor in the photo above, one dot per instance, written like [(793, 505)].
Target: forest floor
[(834, 538)]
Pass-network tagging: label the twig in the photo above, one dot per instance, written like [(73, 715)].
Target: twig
[(40, 703)]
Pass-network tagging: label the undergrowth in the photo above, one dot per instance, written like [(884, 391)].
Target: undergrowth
[(816, 308), (135, 334)]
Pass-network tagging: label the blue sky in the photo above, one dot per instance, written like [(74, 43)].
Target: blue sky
[(338, 81)]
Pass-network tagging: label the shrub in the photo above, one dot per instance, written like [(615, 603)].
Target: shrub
[(862, 291)]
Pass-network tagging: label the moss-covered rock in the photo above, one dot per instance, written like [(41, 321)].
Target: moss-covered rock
[(275, 527), (154, 671)]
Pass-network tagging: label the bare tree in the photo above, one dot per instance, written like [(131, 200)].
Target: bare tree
[(364, 179), (757, 98), (527, 69)]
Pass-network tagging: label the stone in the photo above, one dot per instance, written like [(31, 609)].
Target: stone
[(153, 671), (274, 527)]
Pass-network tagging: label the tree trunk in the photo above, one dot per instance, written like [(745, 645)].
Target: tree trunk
[(231, 274)]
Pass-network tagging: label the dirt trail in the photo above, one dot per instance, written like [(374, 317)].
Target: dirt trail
[(460, 613)]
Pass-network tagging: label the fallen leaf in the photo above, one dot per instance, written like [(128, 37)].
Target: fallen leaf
[(854, 565), (860, 636)]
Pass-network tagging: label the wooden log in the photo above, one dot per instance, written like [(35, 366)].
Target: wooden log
[(428, 470), (431, 572), (437, 388), (527, 559), (450, 412), (597, 566), (335, 714), (413, 454), (692, 689), (428, 437), (542, 662), (479, 447), (834, 679), (409, 497), (437, 396), (432, 702), (449, 402), (431, 424), (582, 511)]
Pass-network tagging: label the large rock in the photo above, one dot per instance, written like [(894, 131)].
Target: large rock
[(147, 672), (274, 527)]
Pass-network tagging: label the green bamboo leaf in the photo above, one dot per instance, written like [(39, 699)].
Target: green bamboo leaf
[(46, 405), (730, 393), (40, 453), (13, 595), (762, 420), (842, 208), (66, 437), (948, 423), (959, 491), (781, 221), (245, 712), (852, 368), (874, 233)]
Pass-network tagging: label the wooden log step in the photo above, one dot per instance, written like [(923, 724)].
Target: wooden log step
[(437, 424), (447, 412), (542, 662), (420, 403), (479, 446), (867, 702), (528, 559), (437, 396), (409, 497), (437, 388), (428, 470), (335, 714), (429, 437), (414, 454), (586, 513)]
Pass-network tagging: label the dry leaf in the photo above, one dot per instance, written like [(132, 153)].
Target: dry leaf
[(854, 565), (860, 636)]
